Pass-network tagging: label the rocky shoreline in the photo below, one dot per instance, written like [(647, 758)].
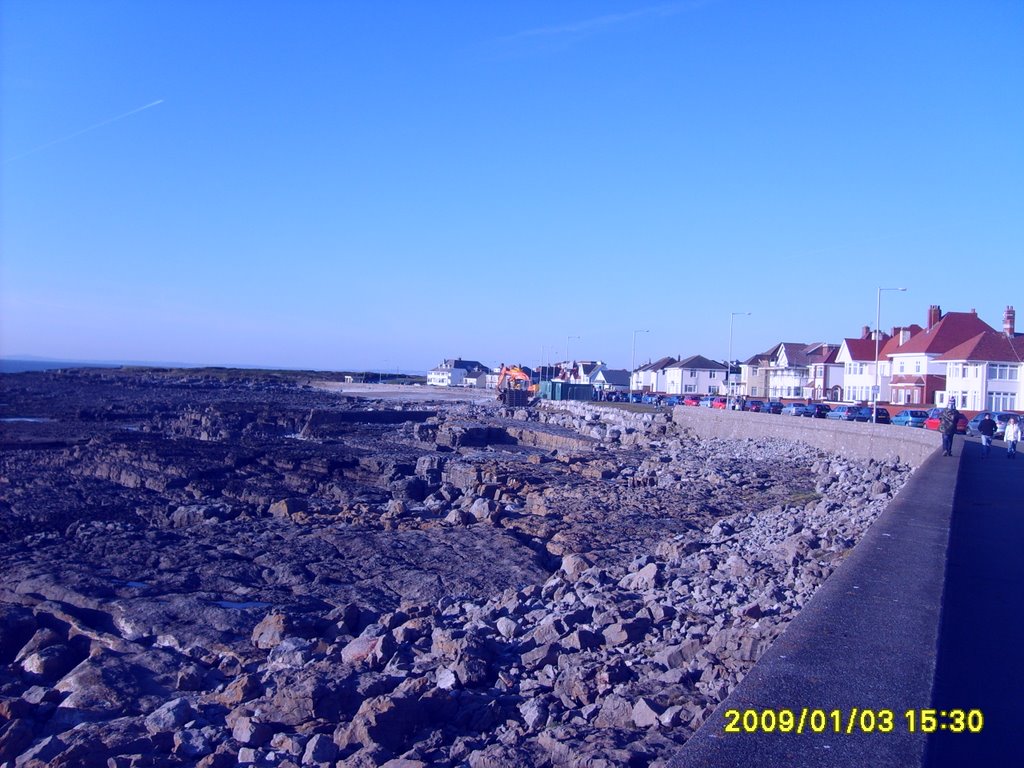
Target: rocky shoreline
[(228, 570)]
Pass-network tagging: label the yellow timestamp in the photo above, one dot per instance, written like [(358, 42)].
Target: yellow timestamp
[(853, 720)]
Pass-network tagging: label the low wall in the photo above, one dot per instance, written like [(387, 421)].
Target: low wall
[(846, 438), (866, 642)]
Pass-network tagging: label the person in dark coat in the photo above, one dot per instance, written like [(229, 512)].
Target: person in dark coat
[(987, 430), (947, 426)]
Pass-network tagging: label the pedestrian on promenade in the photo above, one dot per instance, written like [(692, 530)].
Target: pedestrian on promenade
[(986, 429), (947, 426), (1011, 436)]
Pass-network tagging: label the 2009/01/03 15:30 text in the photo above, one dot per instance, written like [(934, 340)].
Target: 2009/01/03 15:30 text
[(854, 720)]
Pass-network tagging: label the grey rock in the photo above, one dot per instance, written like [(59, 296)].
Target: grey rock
[(170, 716), (320, 749)]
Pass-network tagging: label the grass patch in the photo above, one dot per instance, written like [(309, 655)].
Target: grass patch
[(803, 498)]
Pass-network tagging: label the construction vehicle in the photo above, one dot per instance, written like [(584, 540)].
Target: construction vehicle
[(515, 387)]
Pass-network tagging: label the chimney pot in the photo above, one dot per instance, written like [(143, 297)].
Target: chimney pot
[(934, 315), (1009, 317)]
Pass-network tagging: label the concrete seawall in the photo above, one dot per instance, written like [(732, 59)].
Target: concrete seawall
[(858, 440), (867, 641)]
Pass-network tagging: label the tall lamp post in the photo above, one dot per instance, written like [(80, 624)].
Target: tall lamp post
[(878, 381), (632, 362), (728, 363)]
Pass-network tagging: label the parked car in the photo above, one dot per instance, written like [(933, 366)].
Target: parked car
[(1000, 417), (719, 403), (935, 416), (816, 410), (793, 409), (845, 413), (673, 400), (755, 405), (651, 398), (910, 418), (773, 407), (636, 397), (705, 402), (880, 417), (691, 400)]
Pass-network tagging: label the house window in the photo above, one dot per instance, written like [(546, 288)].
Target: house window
[(1000, 371), (712, 374), (1002, 401), (917, 366), (693, 374)]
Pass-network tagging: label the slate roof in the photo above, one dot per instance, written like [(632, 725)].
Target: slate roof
[(816, 354), (657, 365), (796, 352), (863, 349), (699, 362), (616, 377), (952, 330), (761, 358), (467, 365), (990, 346)]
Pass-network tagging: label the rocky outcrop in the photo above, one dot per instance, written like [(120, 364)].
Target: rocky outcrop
[(550, 587)]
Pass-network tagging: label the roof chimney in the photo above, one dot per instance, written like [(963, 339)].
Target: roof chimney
[(934, 315), (1008, 319), (865, 332)]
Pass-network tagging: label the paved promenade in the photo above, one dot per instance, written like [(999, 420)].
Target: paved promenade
[(928, 613), (981, 635)]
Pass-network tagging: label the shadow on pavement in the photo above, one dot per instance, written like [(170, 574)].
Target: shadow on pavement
[(980, 663)]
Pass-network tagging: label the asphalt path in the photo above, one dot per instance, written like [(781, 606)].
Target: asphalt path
[(980, 663)]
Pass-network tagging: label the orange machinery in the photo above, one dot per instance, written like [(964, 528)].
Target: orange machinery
[(515, 388)]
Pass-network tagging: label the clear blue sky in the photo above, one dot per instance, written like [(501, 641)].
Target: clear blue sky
[(383, 185)]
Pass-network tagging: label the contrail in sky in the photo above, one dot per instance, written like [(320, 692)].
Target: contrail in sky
[(108, 121)]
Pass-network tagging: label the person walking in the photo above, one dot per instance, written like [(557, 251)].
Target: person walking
[(1011, 436), (987, 428), (947, 426)]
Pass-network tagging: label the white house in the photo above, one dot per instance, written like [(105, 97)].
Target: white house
[(694, 375), (857, 356), (918, 370), (585, 371), (787, 370), (651, 377), (987, 371), (453, 373), (612, 380)]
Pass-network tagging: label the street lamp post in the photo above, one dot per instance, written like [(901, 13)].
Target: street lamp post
[(728, 363), (632, 362), (878, 382)]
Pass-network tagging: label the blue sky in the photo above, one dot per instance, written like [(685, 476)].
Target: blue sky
[(383, 185)]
